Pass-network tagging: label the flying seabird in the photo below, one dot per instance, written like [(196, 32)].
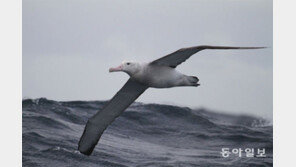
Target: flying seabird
[(160, 73)]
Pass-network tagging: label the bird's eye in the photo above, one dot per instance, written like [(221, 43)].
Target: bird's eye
[(128, 63)]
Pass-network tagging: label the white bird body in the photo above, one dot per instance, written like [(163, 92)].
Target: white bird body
[(160, 76), (160, 73)]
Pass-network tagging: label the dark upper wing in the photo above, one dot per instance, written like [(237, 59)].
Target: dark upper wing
[(181, 55), (98, 123)]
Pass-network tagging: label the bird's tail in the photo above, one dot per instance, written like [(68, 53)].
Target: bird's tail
[(193, 80)]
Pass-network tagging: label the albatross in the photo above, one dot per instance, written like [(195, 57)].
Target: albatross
[(159, 73)]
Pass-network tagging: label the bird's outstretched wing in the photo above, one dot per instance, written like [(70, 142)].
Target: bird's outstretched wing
[(181, 55), (98, 123)]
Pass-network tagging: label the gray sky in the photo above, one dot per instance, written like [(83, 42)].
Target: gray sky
[(69, 45)]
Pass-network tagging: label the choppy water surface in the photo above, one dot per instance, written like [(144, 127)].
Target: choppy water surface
[(144, 135)]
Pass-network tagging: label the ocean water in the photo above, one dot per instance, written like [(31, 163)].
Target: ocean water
[(144, 135)]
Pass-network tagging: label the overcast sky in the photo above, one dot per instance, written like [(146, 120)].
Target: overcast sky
[(69, 45)]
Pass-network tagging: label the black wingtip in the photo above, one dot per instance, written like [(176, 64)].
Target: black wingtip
[(86, 149), (227, 47), (255, 47), (89, 139), (85, 152), (261, 47)]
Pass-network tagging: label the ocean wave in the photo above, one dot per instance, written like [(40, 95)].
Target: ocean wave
[(51, 131)]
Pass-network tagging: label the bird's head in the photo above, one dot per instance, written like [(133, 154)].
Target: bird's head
[(126, 66)]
